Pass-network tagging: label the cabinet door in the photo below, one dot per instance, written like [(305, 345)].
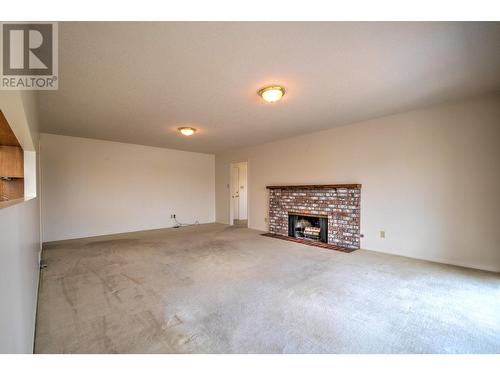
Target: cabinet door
[(12, 189), (11, 161)]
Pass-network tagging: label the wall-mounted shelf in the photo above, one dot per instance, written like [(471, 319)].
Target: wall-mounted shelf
[(330, 186)]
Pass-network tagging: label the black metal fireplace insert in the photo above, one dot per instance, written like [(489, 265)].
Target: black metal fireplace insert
[(308, 227)]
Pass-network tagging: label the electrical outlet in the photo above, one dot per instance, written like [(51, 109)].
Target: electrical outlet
[(382, 234), (172, 216)]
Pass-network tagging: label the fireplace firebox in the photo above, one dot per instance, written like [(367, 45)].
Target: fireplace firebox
[(308, 227)]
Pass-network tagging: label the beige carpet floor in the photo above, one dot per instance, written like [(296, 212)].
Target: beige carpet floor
[(218, 289)]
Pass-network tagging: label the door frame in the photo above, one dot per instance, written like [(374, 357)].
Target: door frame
[(230, 190)]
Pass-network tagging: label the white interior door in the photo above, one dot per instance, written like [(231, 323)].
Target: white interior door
[(235, 193), (242, 170)]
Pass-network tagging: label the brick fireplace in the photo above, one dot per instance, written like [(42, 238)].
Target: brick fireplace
[(323, 215)]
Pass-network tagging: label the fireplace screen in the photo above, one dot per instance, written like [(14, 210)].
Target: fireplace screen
[(308, 227)]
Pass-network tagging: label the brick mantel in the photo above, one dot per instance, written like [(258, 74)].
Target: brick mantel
[(341, 203)]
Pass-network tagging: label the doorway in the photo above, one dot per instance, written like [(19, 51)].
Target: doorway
[(238, 211)]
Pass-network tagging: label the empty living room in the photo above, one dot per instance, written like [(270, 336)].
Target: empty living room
[(232, 186)]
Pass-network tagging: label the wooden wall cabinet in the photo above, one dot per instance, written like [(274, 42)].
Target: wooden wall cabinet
[(11, 163)]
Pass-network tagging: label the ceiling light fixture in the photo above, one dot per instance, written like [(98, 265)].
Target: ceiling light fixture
[(271, 94), (187, 131)]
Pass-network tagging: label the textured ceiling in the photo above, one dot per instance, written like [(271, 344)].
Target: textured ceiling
[(137, 82)]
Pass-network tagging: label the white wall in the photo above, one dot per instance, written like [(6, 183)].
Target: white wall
[(92, 187), (431, 179), (20, 235)]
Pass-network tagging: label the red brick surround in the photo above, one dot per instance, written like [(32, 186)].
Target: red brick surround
[(341, 203)]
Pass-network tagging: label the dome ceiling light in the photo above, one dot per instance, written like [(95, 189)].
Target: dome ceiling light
[(271, 94), (186, 131)]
